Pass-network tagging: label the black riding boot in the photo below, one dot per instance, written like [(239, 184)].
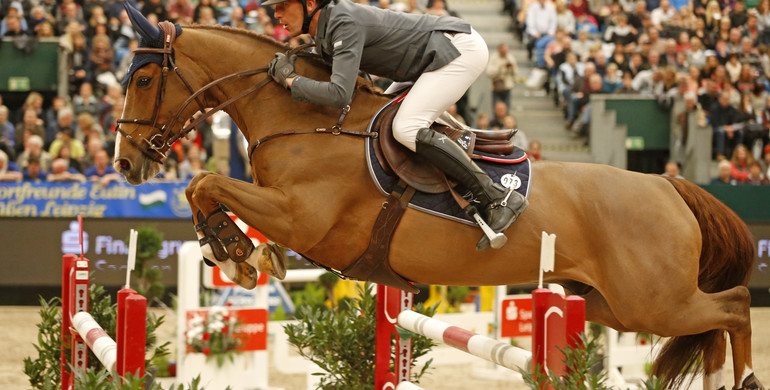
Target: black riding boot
[(450, 158)]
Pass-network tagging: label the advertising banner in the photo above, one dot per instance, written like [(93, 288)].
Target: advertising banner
[(117, 200)]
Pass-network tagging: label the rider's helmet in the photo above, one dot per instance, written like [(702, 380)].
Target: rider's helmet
[(306, 17)]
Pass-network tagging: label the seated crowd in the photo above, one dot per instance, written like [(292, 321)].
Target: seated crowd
[(714, 55)]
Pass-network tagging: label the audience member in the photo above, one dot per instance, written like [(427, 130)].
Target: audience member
[(102, 172), (535, 151), (541, 21), (724, 177), (34, 171), (725, 120), (33, 149), (740, 163), (756, 177), (9, 170), (502, 71), (60, 171), (672, 170)]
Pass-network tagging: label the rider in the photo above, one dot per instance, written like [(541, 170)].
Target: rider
[(441, 55)]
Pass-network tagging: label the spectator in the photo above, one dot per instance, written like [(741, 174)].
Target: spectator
[(501, 111), (102, 172), (582, 45), (50, 117), (541, 21), (34, 171), (740, 163), (61, 172), (724, 177), (38, 16), (627, 84), (535, 151), (765, 161), (725, 120), (565, 19), (582, 100), (45, 30), (30, 125), (70, 14), (566, 75), (738, 15), (696, 56), (101, 58), (756, 177), (672, 170), (733, 67), (482, 121), (13, 27), (66, 137), (65, 121), (89, 128), (702, 33), (763, 14), (9, 171), (622, 32), (712, 16), (85, 101), (97, 18), (520, 139), (155, 7), (206, 16), (64, 153), (193, 164), (7, 130), (93, 147), (613, 80), (76, 57), (502, 71)]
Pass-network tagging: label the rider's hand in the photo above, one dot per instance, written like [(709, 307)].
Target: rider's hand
[(282, 68)]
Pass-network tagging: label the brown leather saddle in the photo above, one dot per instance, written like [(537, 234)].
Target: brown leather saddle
[(415, 174), (413, 169)]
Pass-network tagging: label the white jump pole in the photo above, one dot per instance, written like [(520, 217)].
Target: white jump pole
[(495, 351)]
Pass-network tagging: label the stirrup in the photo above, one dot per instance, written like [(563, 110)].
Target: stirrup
[(494, 239)]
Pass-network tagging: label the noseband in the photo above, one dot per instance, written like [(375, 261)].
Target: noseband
[(157, 145)]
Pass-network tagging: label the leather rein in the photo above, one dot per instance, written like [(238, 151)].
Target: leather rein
[(156, 147)]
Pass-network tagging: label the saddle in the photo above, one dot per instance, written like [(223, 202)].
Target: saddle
[(417, 172)]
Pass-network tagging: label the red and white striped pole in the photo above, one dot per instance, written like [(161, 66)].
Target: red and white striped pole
[(495, 351)]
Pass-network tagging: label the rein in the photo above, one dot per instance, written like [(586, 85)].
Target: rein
[(156, 147)]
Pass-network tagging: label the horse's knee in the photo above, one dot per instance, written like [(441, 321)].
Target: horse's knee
[(203, 188)]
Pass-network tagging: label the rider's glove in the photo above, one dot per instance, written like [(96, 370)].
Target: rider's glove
[(282, 68)]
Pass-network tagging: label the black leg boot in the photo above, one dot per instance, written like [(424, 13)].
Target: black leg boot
[(452, 160)]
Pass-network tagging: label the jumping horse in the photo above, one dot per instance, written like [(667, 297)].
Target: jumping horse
[(648, 253)]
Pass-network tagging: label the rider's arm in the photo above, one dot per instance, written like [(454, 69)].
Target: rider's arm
[(347, 45)]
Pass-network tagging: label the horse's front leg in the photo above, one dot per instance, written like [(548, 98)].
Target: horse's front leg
[(222, 242)]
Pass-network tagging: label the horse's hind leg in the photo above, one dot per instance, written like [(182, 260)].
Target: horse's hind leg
[(713, 364)]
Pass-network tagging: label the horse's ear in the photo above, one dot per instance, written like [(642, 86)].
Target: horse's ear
[(142, 26)]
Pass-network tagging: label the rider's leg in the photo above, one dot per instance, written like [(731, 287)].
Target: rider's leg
[(431, 95)]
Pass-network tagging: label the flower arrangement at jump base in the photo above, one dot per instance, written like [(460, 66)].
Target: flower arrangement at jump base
[(213, 334)]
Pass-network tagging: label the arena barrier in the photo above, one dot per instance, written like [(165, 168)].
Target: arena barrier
[(557, 321), (80, 331)]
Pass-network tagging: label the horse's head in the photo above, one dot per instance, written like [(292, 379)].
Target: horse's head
[(154, 107)]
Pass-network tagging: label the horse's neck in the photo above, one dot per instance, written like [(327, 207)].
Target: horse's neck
[(271, 109)]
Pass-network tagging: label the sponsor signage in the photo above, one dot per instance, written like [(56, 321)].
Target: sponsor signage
[(251, 326), (117, 200), (516, 316)]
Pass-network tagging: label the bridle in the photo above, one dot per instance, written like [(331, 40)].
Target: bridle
[(157, 145)]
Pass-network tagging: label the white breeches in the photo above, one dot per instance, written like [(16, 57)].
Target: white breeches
[(435, 91)]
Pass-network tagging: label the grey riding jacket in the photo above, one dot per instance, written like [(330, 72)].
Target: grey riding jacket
[(385, 43)]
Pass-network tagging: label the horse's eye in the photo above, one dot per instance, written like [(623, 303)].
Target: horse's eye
[(143, 82)]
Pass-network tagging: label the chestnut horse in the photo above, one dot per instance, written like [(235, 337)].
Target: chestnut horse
[(649, 254)]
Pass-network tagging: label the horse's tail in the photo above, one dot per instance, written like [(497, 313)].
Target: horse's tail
[(727, 255)]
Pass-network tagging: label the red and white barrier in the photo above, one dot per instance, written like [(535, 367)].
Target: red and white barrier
[(557, 323), (80, 331)]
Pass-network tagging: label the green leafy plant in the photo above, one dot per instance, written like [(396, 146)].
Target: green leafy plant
[(341, 340), (44, 371), (149, 241), (101, 380), (580, 361), (212, 335)]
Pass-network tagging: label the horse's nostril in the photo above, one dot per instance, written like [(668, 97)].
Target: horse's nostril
[(124, 164)]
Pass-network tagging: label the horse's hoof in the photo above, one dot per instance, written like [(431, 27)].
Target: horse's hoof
[(265, 258), (246, 276)]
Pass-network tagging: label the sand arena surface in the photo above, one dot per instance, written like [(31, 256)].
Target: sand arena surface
[(20, 332)]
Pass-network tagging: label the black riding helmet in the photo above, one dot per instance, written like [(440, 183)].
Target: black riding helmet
[(306, 18)]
